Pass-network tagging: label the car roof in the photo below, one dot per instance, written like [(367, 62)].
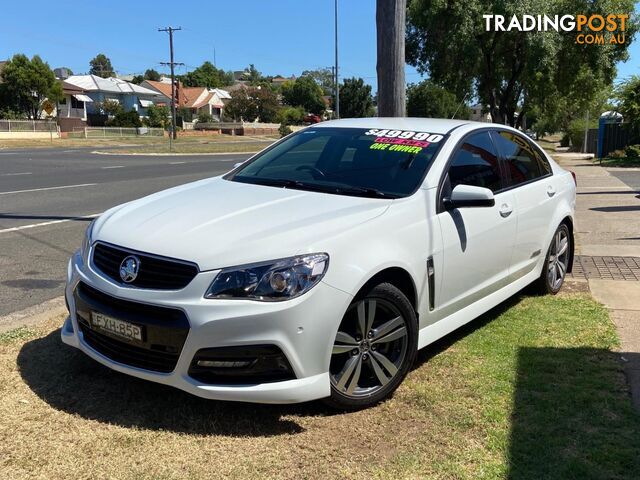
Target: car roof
[(431, 125)]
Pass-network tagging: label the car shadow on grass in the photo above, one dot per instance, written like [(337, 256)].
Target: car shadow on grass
[(572, 416), (70, 381)]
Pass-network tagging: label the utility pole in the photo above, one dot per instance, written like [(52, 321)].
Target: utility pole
[(337, 78), (172, 64), (390, 26)]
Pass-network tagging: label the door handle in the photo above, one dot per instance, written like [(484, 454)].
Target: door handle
[(551, 191), (505, 210)]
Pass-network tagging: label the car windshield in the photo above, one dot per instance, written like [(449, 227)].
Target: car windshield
[(379, 163)]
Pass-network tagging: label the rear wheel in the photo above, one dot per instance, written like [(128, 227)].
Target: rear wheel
[(557, 262), (374, 348)]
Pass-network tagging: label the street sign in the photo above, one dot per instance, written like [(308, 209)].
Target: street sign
[(48, 107)]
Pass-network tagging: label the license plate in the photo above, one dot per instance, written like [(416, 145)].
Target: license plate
[(116, 327)]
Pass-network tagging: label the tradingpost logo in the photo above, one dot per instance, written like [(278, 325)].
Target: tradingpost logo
[(590, 29)]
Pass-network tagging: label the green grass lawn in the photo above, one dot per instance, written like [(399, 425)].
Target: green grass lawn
[(532, 390), (618, 162)]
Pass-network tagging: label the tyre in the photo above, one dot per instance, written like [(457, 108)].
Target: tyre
[(556, 263), (374, 348)]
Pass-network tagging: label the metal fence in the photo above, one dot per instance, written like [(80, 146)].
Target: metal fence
[(116, 132), (28, 126)]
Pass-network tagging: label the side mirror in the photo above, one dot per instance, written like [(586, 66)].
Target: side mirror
[(469, 196)]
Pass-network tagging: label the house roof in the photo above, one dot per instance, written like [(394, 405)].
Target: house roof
[(93, 83), (71, 89), (191, 97)]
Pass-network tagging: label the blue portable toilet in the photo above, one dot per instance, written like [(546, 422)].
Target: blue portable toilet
[(606, 118)]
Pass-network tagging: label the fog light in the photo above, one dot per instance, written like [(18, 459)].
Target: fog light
[(224, 363)]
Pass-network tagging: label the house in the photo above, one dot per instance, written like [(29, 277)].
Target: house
[(72, 109), (480, 114), (197, 99), (129, 95)]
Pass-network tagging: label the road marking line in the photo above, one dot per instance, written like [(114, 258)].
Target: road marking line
[(113, 166), (15, 174), (176, 163), (49, 188), (52, 222)]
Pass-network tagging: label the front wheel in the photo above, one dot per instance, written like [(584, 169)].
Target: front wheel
[(374, 348), (556, 263)]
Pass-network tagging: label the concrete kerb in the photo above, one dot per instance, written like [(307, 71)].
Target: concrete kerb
[(33, 315)]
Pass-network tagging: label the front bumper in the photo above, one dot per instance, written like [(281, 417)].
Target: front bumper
[(303, 328)]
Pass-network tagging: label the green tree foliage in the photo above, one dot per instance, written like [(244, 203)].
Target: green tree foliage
[(290, 116), (355, 99), (206, 75), (428, 100), (253, 103), (512, 72), (304, 92), (267, 103), (323, 77), (27, 84), (108, 107), (101, 66), (241, 106), (628, 97), (151, 74), (158, 116), (137, 79)]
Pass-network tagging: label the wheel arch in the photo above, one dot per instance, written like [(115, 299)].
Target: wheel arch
[(568, 221), (399, 278)]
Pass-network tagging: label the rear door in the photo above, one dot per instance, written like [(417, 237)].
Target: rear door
[(531, 181), (477, 242)]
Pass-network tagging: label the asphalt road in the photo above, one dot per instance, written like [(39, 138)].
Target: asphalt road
[(630, 177), (47, 196)]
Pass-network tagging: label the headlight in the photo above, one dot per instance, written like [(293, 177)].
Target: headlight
[(86, 242), (276, 280)]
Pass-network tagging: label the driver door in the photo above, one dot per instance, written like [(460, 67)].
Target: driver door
[(477, 241)]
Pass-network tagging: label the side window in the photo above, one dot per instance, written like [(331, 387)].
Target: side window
[(476, 163), (523, 163)]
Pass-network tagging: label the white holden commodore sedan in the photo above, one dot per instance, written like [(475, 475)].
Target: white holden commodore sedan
[(317, 268)]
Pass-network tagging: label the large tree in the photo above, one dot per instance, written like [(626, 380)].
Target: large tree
[(101, 66), (323, 77), (355, 99), (510, 71), (26, 84), (428, 100), (628, 97), (206, 75), (304, 92)]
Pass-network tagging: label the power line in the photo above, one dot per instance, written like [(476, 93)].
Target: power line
[(172, 64)]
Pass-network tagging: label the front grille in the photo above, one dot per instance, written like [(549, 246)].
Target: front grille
[(158, 273), (165, 330)]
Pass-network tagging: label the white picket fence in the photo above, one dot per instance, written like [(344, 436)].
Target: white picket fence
[(28, 126), (116, 132)]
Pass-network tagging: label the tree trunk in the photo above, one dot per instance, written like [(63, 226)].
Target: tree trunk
[(390, 25)]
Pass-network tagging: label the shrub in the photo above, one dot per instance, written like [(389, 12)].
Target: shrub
[(617, 154), (290, 115), (158, 116), (632, 151), (576, 132), (204, 117), (284, 130), (564, 141), (125, 119)]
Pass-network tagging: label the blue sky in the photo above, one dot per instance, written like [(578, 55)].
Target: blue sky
[(279, 36)]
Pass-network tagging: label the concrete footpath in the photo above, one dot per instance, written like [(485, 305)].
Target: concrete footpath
[(608, 237)]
